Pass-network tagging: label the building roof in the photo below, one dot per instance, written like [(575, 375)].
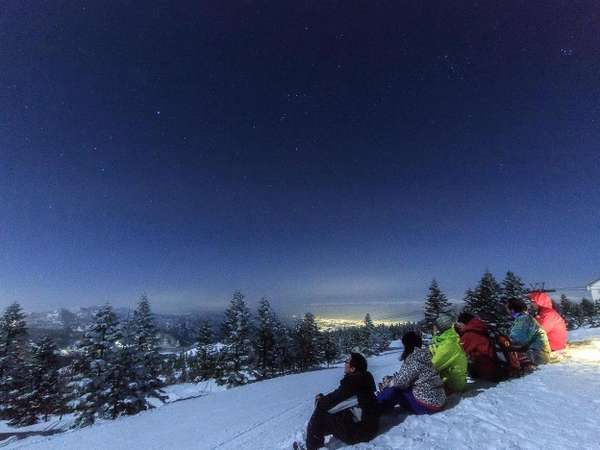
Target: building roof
[(589, 286)]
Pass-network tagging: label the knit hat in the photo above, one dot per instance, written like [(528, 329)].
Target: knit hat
[(444, 321)]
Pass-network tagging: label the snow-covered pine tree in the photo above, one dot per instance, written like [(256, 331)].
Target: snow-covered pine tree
[(587, 311), (435, 303), (235, 359), (15, 387), (567, 310), (205, 360), (93, 366), (143, 336), (483, 302), (382, 340), (512, 287), (283, 356), (264, 342), (126, 381), (309, 339), (331, 351), (47, 391), (595, 321), (369, 338)]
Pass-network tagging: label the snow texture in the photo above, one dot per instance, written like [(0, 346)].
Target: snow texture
[(556, 407)]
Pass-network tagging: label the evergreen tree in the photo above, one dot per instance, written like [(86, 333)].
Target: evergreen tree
[(595, 322), (308, 343), (369, 337), (15, 387), (568, 311), (435, 303), (126, 381), (283, 355), (382, 341), (587, 310), (512, 288), (93, 367), (235, 359), (484, 301), (330, 350), (205, 360), (47, 393), (144, 340), (264, 342)]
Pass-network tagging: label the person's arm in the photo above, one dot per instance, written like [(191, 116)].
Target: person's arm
[(343, 392), (404, 378), (441, 357)]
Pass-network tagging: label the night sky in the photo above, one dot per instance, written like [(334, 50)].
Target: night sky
[(312, 152)]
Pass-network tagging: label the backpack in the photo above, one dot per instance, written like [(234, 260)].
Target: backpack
[(514, 364)]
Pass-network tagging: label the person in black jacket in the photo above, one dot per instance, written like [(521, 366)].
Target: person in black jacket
[(359, 421)]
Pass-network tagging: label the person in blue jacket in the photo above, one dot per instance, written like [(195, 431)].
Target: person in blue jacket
[(526, 335)]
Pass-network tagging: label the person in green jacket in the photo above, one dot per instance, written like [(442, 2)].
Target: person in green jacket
[(447, 355)]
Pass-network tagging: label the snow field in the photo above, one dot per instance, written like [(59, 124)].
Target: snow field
[(555, 407)]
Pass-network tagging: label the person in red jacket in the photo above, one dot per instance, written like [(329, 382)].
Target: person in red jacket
[(549, 319), (477, 344)]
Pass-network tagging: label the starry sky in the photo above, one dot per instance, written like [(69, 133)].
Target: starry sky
[(313, 152)]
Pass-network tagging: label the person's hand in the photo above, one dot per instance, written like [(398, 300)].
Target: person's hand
[(318, 397)]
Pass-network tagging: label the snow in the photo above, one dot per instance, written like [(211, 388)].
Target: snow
[(554, 408)]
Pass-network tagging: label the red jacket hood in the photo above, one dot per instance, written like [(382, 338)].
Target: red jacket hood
[(476, 325), (541, 299)]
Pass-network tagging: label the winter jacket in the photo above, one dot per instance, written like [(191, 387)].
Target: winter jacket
[(526, 332), (363, 386), (552, 323), (480, 351), (418, 375), (449, 359)]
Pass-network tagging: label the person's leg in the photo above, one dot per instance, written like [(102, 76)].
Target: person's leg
[(407, 401), (322, 424), (387, 399)]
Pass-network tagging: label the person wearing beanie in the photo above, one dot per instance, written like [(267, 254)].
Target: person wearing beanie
[(447, 355)]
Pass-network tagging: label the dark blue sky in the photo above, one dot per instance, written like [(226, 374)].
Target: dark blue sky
[(311, 152)]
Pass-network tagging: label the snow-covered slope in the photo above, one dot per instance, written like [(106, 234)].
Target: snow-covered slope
[(554, 408)]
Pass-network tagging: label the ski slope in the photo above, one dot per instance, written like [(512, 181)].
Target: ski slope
[(556, 407)]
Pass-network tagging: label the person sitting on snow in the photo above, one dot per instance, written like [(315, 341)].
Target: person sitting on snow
[(526, 335), (351, 425), (550, 320), (479, 348), (447, 355), (416, 387)]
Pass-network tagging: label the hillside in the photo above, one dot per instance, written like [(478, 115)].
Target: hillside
[(555, 407)]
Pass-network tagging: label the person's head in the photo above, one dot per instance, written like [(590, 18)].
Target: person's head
[(443, 322), (410, 341), (463, 319), (355, 363), (516, 305)]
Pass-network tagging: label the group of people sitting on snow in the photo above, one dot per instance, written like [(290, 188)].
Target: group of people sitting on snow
[(429, 374)]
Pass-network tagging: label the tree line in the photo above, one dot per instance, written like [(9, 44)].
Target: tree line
[(116, 369), (489, 297)]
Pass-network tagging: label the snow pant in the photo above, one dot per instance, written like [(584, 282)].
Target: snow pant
[(391, 396), (341, 425)]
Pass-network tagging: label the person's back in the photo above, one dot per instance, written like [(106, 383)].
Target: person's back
[(550, 320), (417, 373), (479, 348), (447, 356), (526, 332)]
